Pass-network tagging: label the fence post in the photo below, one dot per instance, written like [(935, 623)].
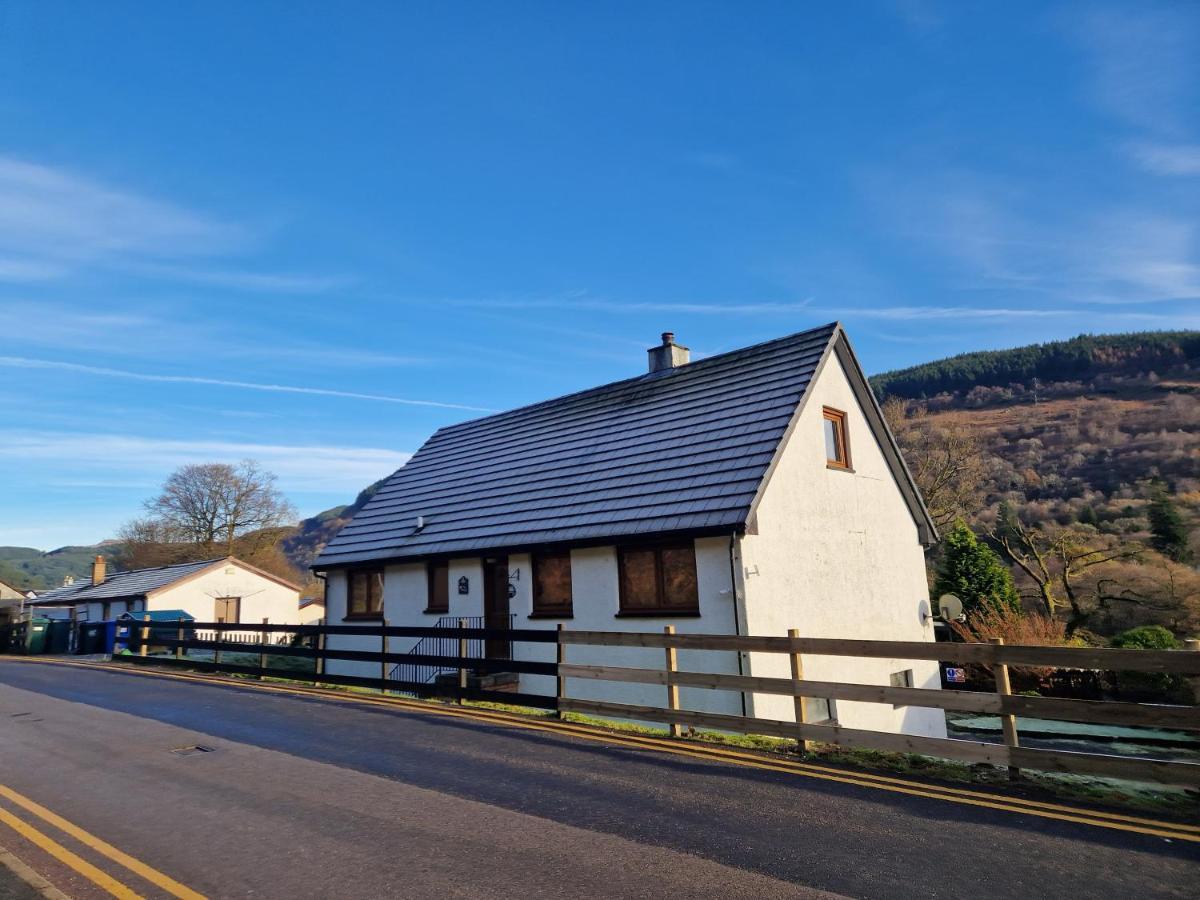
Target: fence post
[(462, 654), (217, 643), (1194, 680), (320, 667), (1004, 688), (560, 683), (798, 675), (383, 649), (145, 648), (179, 638), (672, 688), (262, 651)]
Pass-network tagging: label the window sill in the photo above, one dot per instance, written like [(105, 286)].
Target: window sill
[(364, 617), (659, 614), (837, 467), (436, 612), (551, 615)]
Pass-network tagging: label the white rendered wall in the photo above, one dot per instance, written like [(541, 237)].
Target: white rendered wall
[(405, 595), (837, 555), (595, 603), (262, 597)]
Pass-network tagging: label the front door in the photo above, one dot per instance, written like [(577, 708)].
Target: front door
[(495, 605)]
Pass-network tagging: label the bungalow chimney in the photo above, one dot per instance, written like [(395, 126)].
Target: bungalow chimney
[(668, 356), (98, 568)]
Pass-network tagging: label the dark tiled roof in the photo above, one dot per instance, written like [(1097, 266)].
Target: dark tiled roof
[(683, 450), (118, 585)]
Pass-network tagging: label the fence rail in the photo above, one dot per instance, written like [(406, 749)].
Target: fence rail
[(268, 644)]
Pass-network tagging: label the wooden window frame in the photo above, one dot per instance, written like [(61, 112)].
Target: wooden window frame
[(550, 612), (838, 418), (660, 611), (367, 614), (431, 569)]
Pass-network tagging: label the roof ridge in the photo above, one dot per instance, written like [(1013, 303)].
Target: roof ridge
[(831, 327)]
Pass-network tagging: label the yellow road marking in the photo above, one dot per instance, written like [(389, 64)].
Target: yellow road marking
[(1098, 818), (65, 856), (155, 877)]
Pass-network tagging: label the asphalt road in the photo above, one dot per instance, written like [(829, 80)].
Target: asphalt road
[(307, 798)]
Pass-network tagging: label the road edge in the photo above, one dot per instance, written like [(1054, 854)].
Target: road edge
[(29, 875)]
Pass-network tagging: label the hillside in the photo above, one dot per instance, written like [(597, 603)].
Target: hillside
[(1105, 363), (30, 569), (1100, 432), (1071, 422), (302, 546)]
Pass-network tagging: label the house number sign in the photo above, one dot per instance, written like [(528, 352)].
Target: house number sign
[(464, 586)]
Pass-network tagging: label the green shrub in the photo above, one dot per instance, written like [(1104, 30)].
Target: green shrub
[(1148, 685), (1146, 637)]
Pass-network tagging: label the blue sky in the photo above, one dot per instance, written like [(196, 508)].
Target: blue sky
[(411, 211)]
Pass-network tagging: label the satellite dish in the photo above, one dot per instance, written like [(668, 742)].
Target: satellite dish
[(949, 607)]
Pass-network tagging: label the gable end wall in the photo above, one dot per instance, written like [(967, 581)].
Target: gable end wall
[(838, 554)]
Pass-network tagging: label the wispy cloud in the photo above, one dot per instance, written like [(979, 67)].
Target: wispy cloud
[(1167, 159), (1144, 61), (998, 313), (732, 308), (19, 362), (126, 460), (243, 280), (66, 327), (55, 222), (1002, 238)]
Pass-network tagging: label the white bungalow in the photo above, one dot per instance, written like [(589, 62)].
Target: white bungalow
[(746, 493), (212, 590)]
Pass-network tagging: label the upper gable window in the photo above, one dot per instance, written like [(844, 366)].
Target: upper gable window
[(365, 600), (837, 447), (552, 585)]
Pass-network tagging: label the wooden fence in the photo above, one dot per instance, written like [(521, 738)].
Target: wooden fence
[(308, 642)]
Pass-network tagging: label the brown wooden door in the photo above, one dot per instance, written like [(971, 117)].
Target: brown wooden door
[(229, 610), (495, 605)]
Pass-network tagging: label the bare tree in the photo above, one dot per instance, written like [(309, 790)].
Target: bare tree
[(1156, 590), (946, 460), (213, 505), (1055, 559)]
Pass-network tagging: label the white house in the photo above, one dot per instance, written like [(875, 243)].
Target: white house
[(746, 493), (214, 590)]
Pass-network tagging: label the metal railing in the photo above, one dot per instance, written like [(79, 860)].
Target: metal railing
[(476, 648)]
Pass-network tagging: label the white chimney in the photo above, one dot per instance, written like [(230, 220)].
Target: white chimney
[(669, 355)]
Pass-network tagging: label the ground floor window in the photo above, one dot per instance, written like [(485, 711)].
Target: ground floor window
[(364, 598), (552, 585), (438, 584), (659, 580)]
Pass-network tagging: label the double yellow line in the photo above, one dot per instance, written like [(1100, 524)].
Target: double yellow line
[(74, 861), (1005, 803)]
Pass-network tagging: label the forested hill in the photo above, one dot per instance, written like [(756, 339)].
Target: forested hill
[(1087, 361)]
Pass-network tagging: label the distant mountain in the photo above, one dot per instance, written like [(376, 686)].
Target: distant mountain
[(302, 546), (1085, 430), (31, 569), (1105, 362)]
